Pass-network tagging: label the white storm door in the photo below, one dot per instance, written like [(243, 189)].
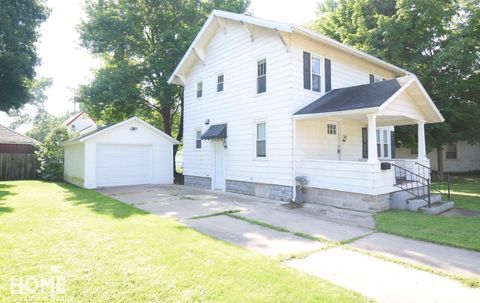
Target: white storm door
[(219, 166), (333, 142), (123, 164)]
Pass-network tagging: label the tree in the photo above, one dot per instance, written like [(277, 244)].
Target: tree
[(50, 155), (141, 42), (435, 39), (44, 124), (19, 23)]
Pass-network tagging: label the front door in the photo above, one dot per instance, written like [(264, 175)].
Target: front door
[(219, 166), (333, 142)]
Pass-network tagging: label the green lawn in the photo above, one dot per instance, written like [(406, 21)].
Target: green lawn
[(113, 252), (459, 232)]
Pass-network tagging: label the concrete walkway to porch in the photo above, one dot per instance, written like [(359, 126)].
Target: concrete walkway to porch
[(344, 254)]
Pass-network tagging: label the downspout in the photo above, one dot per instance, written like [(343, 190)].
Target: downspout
[(294, 128)]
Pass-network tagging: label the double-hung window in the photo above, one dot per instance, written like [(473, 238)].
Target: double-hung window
[(261, 76), (220, 79), (198, 139), (316, 78), (261, 140), (199, 89), (383, 143), (451, 151)]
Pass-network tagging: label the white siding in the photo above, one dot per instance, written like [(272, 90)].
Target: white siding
[(162, 151), (235, 55), (74, 164)]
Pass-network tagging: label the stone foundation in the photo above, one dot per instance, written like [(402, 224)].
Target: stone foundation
[(341, 199), (195, 181), (269, 191)]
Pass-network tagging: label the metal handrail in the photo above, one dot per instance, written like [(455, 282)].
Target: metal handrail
[(434, 187), (413, 190)]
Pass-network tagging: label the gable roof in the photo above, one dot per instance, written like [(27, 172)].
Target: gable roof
[(352, 97), (374, 98), (107, 128), (214, 22), (72, 118), (9, 136)]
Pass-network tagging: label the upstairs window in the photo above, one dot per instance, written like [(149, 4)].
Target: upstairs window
[(316, 74), (261, 140), (261, 76), (451, 151), (375, 78), (199, 89), (198, 139), (220, 83)]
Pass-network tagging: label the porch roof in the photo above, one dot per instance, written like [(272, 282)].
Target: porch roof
[(353, 97), (399, 101)]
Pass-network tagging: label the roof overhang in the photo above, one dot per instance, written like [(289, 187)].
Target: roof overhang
[(93, 134), (216, 21), (387, 114)]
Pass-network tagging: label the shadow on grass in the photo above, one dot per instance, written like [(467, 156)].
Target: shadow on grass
[(99, 203), (5, 190)]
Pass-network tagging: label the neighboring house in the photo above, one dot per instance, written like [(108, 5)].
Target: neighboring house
[(459, 157), (17, 158), (80, 123), (127, 153), (266, 102)]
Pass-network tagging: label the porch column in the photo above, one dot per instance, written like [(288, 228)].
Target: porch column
[(372, 138), (422, 151)]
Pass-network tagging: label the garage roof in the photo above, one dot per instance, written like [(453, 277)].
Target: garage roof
[(107, 128), (9, 136)]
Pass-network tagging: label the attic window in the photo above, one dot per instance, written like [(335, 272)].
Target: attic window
[(199, 89), (261, 76), (220, 83)]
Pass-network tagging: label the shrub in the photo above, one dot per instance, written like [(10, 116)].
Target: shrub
[(50, 155)]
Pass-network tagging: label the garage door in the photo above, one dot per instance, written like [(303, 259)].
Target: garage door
[(123, 164)]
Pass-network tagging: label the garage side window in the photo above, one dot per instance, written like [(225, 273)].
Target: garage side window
[(198, 139), (451, 151)]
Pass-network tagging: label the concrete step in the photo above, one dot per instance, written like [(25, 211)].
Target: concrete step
[(340, 215), (437, 207), (414, 204)]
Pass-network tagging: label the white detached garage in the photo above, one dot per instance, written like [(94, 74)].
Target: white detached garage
[(127, 153)]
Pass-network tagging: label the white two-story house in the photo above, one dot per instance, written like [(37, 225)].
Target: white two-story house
[(266, 102)]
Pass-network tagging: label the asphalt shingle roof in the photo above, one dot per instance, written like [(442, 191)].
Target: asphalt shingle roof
[(353, 97), (9, 136)]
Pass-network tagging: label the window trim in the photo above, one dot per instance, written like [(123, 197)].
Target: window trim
[(322, 71), (380, 141), (197, 131), (257, 77), (223, 82), (255, 140), (456, 152), (200, 82)]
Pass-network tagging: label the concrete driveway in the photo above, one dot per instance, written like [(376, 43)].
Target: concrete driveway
[(343, 254)]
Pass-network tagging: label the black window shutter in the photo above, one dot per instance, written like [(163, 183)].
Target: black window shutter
[(364, 143), (306, 70), (392, 144), (328, 75), (372, 78)]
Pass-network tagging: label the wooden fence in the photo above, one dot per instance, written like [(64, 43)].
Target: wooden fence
[(18, 166)]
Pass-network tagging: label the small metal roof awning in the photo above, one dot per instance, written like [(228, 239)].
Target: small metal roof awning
[(218, 131)]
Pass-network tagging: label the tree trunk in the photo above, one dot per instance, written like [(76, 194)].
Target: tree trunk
[(440, 162), (179, 136)]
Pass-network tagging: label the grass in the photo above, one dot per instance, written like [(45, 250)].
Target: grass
[(459, 232), (110, 251)]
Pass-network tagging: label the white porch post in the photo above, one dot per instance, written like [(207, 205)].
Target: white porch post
[(372, 138), (422, 151)]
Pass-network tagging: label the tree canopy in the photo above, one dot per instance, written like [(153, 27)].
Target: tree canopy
[(141, 42), (19, 24), (438, 40)]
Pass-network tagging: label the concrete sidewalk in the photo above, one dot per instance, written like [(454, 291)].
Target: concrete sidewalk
[(384, 281), (447, 259)]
